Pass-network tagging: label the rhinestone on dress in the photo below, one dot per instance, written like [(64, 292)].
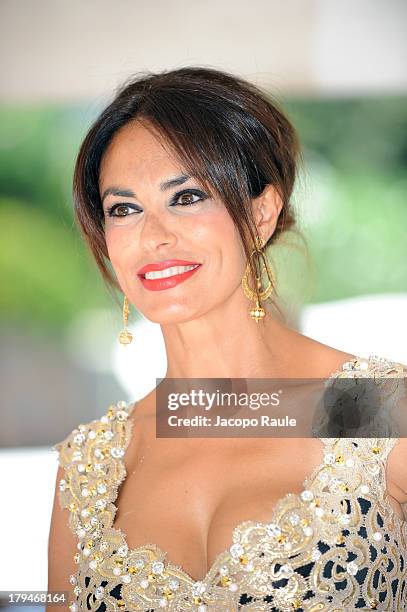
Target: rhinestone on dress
[(323, 476), (79, 438), (352, 568), (198, 588), (117, 452), (329, 458), (307, 495), (286, 570), (236, 550), (99, 592), (157, 567), (273, 529)]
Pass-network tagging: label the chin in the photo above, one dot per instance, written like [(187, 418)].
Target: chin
[(166, 317)]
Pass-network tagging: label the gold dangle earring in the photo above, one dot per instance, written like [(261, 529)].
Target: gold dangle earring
[(257, 313), (125, 336)]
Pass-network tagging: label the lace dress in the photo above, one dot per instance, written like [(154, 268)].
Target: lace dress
[(337, 546)]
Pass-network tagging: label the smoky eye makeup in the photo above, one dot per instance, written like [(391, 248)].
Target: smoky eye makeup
[(110, 211), (178, 199)]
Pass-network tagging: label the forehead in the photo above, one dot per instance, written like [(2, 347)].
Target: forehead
[(136, 151)]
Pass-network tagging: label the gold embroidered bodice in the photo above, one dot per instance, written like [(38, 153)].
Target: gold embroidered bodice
[(336, 546)]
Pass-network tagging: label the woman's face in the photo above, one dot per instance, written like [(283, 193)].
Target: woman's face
[(148, 221)]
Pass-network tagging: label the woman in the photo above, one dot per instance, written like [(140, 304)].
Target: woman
[(191, 171)]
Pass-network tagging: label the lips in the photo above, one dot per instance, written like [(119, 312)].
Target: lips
[(168, 282), (168, 263)]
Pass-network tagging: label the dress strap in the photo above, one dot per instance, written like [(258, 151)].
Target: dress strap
[(368, 456), (92, 473)]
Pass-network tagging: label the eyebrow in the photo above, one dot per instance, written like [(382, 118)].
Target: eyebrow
[(164, 185)]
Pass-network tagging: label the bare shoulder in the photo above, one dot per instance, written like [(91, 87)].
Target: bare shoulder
[(321, 360)]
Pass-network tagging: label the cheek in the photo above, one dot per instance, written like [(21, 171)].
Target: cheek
[(119, 245), (219, 236)]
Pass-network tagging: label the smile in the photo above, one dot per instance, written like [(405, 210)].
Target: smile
[(158, 280)]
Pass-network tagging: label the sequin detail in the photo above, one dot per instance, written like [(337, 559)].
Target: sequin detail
[(336, 546)]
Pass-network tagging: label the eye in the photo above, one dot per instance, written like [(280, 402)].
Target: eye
[(186, 197), (119, 207)]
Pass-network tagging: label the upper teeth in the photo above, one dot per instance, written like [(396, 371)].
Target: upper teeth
[(169, 271)]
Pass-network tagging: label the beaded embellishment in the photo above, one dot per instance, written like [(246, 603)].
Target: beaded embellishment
[(337, 546)]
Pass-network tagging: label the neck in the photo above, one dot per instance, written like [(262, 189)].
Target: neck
[(226, 343)]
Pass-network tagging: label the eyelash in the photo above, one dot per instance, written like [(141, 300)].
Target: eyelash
[(202, 196)]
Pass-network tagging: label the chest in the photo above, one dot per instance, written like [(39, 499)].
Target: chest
[(188, 498)]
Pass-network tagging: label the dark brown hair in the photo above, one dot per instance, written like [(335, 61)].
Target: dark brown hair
[(227, 133)]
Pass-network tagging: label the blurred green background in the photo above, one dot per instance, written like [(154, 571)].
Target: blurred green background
[(351, 201)]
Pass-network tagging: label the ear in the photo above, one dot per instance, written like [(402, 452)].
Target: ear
[(266, 209)]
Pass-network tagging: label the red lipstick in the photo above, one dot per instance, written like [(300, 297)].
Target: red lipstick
[(168, 263), (160, 284)]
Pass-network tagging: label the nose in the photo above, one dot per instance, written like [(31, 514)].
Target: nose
[(156, 232)]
